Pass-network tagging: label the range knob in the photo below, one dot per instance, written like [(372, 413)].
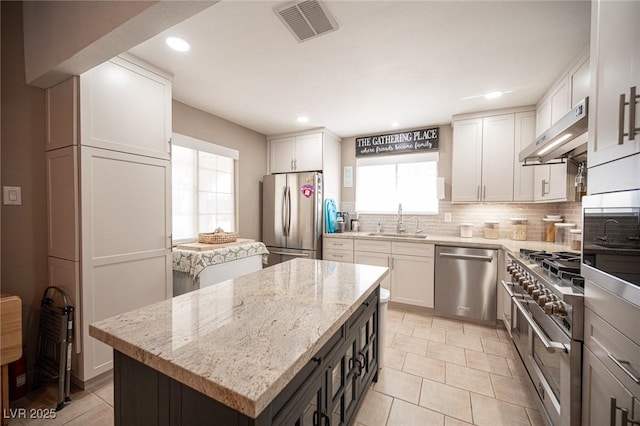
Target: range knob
[(511, 267), (532, 288), (524, 278), (543, 297), (555, 308)]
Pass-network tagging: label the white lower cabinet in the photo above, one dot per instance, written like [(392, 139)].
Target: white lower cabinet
[(376, 253), (337, 249), (603, 395), (411, 279)]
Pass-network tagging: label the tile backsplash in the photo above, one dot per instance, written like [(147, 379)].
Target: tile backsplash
[(475, 214)]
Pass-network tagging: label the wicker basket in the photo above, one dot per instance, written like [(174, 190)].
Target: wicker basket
[(217, 237)]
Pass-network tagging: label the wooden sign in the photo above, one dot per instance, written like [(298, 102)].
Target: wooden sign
[(398, 143)]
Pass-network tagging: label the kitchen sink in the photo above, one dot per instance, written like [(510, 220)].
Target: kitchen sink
[(384, 234)]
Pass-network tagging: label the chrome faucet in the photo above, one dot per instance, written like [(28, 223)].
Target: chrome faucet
[(400, 227), (604, 238), (418, 230)]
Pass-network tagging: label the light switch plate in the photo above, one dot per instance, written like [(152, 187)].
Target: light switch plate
[(12, 195), (447, 217)]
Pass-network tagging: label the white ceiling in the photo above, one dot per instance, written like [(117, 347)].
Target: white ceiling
[(404, 61)]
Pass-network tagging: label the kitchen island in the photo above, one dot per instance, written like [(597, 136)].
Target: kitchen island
[(298, 340)]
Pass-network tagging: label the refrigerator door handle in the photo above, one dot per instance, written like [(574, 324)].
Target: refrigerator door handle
[(284, 209), (288, 210)]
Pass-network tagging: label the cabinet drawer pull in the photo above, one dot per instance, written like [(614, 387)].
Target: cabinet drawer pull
[(624, 366)]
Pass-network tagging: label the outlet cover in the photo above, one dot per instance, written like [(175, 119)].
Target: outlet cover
[(447, 217), (12, 195)]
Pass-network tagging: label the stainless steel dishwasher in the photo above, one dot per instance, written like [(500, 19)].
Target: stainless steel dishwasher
[(465, 283)]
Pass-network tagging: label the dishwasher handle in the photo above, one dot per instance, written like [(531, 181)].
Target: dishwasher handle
[(467, 257)]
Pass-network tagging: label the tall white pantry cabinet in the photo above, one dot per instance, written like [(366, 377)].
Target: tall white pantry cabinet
[(109, 196)]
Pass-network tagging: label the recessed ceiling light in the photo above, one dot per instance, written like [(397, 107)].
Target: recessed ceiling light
[(395, 124), (490, 95), (302, 119), (177, 43), (494, 95)]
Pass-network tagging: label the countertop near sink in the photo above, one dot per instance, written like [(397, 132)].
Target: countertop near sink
[(448, 240)]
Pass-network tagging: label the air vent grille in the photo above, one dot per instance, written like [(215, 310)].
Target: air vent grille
[(306, 19)]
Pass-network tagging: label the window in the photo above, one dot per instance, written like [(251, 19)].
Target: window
[(384, 182), (203, 188)]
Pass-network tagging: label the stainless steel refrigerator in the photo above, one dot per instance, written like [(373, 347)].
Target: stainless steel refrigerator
[(292, 216)]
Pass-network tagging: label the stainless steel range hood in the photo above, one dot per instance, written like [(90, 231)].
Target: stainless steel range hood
[(561, 140)]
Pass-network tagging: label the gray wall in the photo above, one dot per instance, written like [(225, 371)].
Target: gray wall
[(24, 228), (251, 166)]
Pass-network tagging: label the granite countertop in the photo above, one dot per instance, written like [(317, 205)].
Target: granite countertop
[(241, 341), (499, 244)]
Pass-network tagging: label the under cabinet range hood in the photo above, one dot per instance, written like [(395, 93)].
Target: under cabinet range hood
[(567, 137)]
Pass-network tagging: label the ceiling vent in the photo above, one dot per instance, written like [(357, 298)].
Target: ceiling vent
[(306, 19)]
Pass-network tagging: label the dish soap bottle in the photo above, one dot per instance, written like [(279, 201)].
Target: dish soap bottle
[(580, 183)]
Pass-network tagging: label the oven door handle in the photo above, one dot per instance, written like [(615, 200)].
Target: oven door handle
[(507, 288), (549, 345)]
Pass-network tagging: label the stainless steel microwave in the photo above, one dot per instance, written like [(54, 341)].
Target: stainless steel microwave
[(611, 242)]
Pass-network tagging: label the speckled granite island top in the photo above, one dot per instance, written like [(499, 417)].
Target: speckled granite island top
[(241, 341)]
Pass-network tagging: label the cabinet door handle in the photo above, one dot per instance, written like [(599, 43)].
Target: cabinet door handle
[(484, 192), (624, 414), (478, 193), (621, 133), (326, 418), (544, 184), (632, 113), (624, 366)]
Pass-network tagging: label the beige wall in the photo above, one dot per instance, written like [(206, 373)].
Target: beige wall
[(444, 164), (251, 166), (24, 228)]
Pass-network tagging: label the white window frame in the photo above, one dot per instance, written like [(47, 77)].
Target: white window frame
[(395, 160), (211, 148)]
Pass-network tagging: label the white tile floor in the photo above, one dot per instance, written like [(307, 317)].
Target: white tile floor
[(437, 371)]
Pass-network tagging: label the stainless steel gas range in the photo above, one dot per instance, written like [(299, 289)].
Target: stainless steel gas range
[(547, 295)]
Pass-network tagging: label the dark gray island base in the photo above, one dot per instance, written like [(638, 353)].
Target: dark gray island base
[(326, 391)]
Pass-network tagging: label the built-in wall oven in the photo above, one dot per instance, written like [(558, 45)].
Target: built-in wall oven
[(611, 243), (546, 327)]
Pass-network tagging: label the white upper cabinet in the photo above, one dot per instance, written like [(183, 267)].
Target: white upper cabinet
[(281, 154), (301, 153), (553, 106), (485, 154), (554, 182), (615, 72), (314, 150), (126, 108), (466, 173), (525, 128), (497, 157), (580, 81)]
